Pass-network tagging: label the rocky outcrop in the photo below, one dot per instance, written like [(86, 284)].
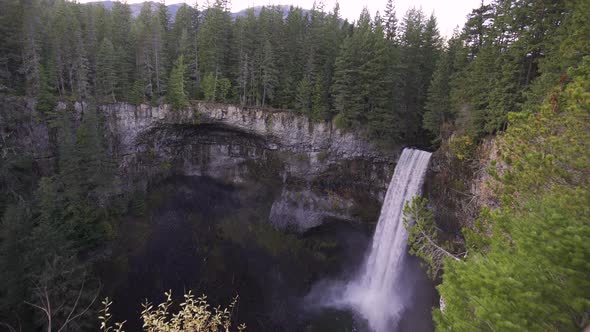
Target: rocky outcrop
[(318, 170), (457, 188), (322, 170), (280, 129)]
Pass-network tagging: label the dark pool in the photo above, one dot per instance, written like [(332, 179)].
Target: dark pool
[(195, 233)]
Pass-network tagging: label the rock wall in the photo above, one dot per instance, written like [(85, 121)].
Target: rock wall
[(321, 171), (318, 170), (457, 189)]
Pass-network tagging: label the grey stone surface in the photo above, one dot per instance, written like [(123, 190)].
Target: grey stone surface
[(321, 170)]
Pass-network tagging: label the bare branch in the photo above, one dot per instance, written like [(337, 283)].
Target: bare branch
[(437, 247), (75, 305), (69, 320)]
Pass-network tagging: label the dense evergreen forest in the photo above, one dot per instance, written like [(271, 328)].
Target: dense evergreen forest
[(519, 69), (311, 61), (518, 80)]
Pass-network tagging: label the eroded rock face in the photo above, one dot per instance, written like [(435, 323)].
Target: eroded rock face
[(322, 170), (318, 170), (305, 209), (458, 189)]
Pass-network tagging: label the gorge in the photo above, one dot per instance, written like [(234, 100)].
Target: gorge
[(150, 154), (314, 160), (260, 186)]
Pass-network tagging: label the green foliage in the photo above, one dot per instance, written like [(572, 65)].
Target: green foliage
[(438, 105), (391, 80), (531, 272), (269, 73), (177, 95), (350, 95), (105, 71), (505, 47), (11, 22), (319, 110), (17, 225), (223, 89), (136, 96), (462, 147), (340, 122), (303, 97), (209, 86), (42, 270), (534, 282), (121, 38), (214, 39), (421, 44), (314, 62), (46, 227), (46, 100), (423, 236), (216, 88)]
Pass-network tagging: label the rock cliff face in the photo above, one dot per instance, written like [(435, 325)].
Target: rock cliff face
[(458, 189), (317, 170)]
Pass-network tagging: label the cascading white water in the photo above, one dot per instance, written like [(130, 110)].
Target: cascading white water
[(376, 294)]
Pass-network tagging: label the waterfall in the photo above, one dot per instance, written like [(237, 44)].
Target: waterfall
[(377, 294)]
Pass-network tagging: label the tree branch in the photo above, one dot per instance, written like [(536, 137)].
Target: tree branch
[(448, 254)]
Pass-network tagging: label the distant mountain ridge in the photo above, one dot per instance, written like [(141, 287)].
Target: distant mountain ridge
[(173, 8)]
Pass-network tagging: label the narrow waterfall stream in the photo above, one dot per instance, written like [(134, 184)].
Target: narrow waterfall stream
[(374, 293), (382, 291)]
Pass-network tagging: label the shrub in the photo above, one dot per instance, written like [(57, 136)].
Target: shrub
[(195, 314)]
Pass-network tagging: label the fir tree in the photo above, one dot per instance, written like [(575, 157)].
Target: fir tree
[(105, 71), (390, 19), (269, 73), (177, 95), (438, 106), (209, 87), (303, 96)]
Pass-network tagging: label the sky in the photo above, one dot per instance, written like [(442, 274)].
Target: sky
[(449, 13)]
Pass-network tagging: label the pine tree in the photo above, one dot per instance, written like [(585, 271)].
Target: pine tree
[(303, 96), (184, 31), (123, 46), (383, 119), (294, 60), (17, 225), (137, 93), (209, 87), (177, 95), (390, 19), (31, 58), (145, 65), (512, 282), (319, 109), (438, 106), (420, 48), (11, 23), (159, 32), (105, 71), (351, 83), (46, 100), (269, 73), (214, 38), (506, 285)]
